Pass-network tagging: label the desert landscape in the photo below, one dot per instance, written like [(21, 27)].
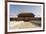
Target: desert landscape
[(25, 21)]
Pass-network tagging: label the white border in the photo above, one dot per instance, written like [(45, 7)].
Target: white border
[(8, 19)]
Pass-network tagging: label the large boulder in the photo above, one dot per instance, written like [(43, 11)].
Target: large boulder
[(26, 15)]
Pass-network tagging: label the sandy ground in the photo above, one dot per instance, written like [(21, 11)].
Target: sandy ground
[(21, 25)]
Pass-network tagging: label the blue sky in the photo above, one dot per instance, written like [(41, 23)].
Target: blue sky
[(16, 9)]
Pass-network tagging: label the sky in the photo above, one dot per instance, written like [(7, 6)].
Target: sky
[(17, 9)]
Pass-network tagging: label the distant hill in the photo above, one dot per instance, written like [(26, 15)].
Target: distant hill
[(25, 17)]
